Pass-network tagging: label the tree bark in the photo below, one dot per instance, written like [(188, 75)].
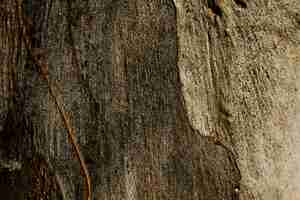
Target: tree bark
[(168, 99)]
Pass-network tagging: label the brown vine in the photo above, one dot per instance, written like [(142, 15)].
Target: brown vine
[(36, 56)]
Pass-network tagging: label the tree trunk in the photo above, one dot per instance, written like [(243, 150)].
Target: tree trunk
[(167, 99)]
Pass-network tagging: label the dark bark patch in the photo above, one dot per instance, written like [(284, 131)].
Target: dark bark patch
[(214, 5), (241, 3)]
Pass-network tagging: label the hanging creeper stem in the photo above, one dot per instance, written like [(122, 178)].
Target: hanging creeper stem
[(43, 69)]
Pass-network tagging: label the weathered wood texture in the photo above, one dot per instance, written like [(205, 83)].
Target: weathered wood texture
[(239, 63), (169, 100)]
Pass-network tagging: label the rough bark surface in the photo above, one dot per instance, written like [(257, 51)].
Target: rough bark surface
[(169, 100), (239, 65)]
